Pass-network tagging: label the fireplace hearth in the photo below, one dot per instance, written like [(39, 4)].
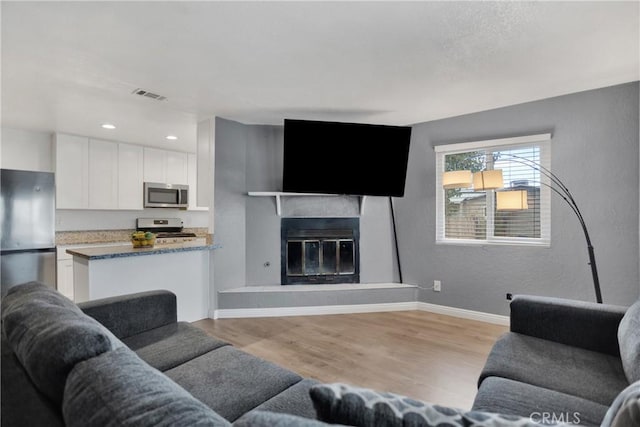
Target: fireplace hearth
[(320, 250)]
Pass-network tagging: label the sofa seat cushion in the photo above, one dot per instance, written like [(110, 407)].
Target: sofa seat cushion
[(49, 335), (629, 340), (171, 345), (119, 389), (506, 396), (583, 373), (232, 382), (294, 401)]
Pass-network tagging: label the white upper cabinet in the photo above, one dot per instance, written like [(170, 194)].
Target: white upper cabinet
[(155, 165), (72, 171), (177, 168), (130, 176), (103, 174), (167, 167), (97, 174)]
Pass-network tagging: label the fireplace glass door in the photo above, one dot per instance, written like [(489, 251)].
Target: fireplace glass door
[(320, 257)]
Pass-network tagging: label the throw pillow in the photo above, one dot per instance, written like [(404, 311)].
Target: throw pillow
[(341, 403), (118, 388), (625, 409), (629, 339), (49, 334)]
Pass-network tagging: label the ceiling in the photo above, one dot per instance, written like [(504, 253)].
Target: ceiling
[(71, 66)]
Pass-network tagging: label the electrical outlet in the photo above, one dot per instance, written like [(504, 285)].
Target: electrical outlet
[(437, 285), (509, 296)]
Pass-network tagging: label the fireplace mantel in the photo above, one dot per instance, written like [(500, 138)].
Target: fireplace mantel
[(279, 195)]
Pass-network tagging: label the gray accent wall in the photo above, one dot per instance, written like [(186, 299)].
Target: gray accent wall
[(229, 202), (264, 173), (377, 247), (249, 158), (594, 150)]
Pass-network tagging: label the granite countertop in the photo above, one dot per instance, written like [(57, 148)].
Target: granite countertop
[(65, 238), (127, 250)]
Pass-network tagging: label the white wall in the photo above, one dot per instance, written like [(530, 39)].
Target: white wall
[(26, 150)]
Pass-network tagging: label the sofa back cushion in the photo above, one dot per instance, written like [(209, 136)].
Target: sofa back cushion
[(629, 340), (117, 388), (49, 334)]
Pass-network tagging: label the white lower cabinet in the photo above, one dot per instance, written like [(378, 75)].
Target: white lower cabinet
[(65, 278), (64, 282)]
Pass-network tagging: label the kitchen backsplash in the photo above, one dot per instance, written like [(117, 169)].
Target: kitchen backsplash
[(108, 236), (90, 220)]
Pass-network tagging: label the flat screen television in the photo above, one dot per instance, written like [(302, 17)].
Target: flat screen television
[(345, 158)]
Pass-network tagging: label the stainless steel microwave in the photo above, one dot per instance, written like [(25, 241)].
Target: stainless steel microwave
[(159, 195)]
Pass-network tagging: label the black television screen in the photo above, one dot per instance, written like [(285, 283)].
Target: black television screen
[(345, 158)]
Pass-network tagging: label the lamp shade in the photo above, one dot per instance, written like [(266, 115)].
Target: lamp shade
[(488, 180), (456, 179), (512, 200)]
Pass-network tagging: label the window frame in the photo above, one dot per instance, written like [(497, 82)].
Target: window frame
[(543, 141)]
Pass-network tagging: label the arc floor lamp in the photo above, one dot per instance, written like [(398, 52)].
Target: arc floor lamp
[(517, 199)]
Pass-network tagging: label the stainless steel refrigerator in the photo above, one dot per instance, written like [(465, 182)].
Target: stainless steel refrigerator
[(27, 224)]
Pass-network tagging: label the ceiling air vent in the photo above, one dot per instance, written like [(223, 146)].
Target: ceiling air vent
[(148, 94)]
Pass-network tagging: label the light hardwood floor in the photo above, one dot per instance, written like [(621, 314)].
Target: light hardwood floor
[(426, 356)]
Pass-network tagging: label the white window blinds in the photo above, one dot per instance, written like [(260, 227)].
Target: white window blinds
[(522, 216)]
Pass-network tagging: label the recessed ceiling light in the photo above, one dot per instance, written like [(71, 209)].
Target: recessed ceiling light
[(171, 137), (108, 126)]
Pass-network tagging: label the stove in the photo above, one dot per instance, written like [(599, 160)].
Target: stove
[(167, 230), (166, 238)]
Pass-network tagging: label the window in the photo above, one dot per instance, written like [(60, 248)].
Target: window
[(468, 216)]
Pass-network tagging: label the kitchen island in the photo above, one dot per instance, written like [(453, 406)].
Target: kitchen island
[(182, 268)]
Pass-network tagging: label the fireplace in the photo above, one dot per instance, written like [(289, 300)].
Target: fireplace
[(320, 250)]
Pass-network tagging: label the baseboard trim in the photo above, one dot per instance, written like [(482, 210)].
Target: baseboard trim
[(463, 313), (232, 313), (235, 313)]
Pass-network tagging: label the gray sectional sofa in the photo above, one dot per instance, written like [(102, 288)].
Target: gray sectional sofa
[(54, 357), (564, 360), (126, 361)]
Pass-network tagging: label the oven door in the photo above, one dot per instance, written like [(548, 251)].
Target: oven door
[(158, 195)]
